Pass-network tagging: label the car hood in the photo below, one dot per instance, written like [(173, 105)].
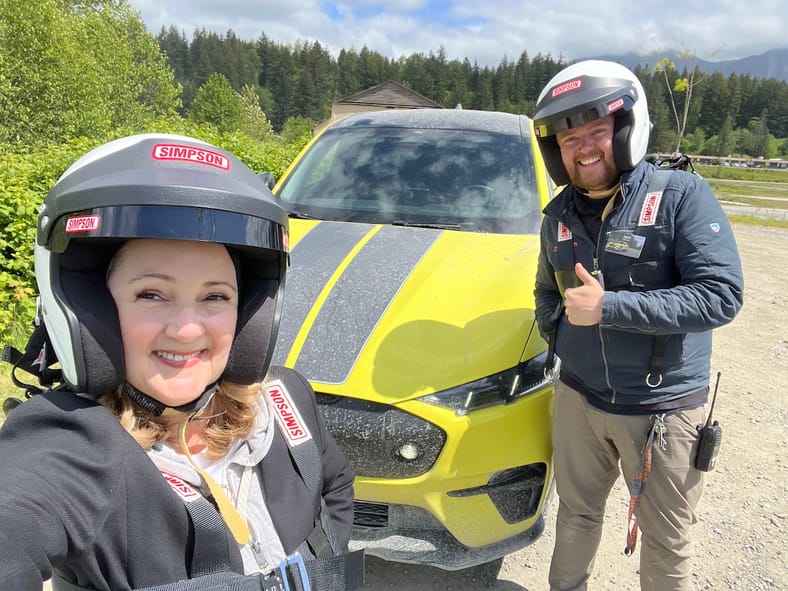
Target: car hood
[(390, 313)]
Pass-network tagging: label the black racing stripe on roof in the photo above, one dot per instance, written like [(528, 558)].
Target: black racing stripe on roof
[(358, 301), (312, 261)]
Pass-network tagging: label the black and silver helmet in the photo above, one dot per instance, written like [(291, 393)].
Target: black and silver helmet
[(586, 91), (154, 186)]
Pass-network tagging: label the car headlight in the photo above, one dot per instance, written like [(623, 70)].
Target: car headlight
[(500, 388)]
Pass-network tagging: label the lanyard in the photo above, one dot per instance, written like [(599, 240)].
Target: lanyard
[(656, 433), (235, 522)]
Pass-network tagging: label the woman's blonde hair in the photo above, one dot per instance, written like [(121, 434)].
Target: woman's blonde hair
[(230, 414)]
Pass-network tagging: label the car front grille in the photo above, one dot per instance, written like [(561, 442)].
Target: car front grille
[(515, 493), (372, 435), (370, 514)]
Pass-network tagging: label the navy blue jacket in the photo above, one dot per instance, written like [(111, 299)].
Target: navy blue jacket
[(670, 267)]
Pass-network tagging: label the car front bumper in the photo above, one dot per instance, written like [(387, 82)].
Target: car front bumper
[(413, 535), (476, 492)]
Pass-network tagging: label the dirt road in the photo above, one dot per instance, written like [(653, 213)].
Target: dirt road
[(741, 542)]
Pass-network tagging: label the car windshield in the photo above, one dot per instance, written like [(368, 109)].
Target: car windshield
[(457, 179)]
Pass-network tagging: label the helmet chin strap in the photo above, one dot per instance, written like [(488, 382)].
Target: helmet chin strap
[(158, 408)]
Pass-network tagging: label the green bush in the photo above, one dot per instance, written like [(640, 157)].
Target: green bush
[(24, 181), (27, 176)]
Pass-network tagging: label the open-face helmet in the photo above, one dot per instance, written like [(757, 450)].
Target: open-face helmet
[(154, 186), (586, 91)]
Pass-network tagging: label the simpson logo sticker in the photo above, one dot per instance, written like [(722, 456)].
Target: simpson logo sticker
[(566, 87), (82, 223), (290, 422), (191, 154), (615, 105), (564, 233), (648, 213), (183, 490)]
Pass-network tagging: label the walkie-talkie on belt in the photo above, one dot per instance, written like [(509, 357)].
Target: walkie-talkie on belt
[(710, 438)]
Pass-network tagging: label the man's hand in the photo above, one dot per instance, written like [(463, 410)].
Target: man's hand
[(583, 304)]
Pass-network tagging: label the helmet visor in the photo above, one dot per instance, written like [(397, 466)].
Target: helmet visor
[(168, 223), (557, 115)]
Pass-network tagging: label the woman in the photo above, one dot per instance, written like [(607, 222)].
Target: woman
[(160, 262)]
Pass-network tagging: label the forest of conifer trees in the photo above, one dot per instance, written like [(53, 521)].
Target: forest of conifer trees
[(729, 115)]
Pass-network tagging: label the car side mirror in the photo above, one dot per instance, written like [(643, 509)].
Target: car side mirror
[(268, 179)]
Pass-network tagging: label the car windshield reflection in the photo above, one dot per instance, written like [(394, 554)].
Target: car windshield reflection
[(450, 179)]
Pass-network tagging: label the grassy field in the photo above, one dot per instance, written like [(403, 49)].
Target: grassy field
[(733, 173), (757, 187), (771, 195), (776, 193), (766, 189)]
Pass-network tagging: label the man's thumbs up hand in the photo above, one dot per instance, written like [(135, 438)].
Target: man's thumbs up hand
[(583, 304), (584, 276)]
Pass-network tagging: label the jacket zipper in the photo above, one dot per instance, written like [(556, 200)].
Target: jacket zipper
[(257, 548), (599, 329)]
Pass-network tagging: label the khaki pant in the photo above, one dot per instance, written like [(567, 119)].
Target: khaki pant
[(588, 445)]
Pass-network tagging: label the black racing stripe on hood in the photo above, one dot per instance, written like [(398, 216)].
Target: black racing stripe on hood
[(312, 261), (358, 301)]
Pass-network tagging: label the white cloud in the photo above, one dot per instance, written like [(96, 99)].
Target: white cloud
[(485, 32)]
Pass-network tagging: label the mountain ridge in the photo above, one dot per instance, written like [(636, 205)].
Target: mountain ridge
[(770, 64)]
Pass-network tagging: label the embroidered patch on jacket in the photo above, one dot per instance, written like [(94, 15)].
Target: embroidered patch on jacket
[(184, 490), (292, 425), (648, 213), (715, 227), (564, 233)]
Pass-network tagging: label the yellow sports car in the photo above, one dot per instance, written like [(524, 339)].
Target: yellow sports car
[(414, 239)]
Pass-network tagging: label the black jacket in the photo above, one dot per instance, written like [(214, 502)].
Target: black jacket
[(81, 498)]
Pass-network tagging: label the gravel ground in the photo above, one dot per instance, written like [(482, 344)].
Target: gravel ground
[(740, 538)]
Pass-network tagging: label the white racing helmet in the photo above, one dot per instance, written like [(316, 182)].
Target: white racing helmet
[(154, 186), (586, 91)]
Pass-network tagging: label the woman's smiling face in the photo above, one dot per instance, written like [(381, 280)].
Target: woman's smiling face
[(178, 306)]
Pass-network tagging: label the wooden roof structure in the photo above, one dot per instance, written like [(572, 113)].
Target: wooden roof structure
[(387, 95)]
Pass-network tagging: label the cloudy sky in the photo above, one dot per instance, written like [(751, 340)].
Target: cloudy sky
[(486, 31)]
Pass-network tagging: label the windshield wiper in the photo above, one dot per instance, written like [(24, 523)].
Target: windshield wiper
[(436, 225), (299, 215)]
